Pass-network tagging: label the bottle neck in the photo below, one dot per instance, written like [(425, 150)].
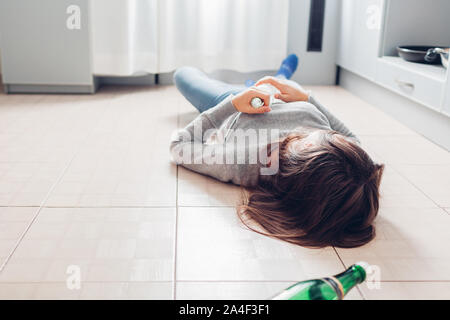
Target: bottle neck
[(351, 277)]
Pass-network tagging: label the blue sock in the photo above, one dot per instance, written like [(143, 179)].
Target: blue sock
[(249, 83), (288, 66)]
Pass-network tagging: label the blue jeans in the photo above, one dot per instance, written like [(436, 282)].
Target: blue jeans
[(200, 90)]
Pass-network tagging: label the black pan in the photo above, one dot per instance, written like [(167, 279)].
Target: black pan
[(417, 54)]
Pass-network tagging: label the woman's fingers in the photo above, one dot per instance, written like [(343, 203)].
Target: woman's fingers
[(243, 101), (273, 81), (263, 110), (283, 97), (256, 93)]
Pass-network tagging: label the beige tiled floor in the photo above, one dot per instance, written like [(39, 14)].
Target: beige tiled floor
[(86, 181)]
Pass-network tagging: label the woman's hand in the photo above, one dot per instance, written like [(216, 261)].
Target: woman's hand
[(288, 93), (242, 102)]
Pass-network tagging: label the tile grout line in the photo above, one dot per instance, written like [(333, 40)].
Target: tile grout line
[(19, 206), (91, 207), (211, 281), (296, 280), (339, 257), (393, 166), (175, 246), (417, 188), (38, 210), (42, 204), (345, 267)]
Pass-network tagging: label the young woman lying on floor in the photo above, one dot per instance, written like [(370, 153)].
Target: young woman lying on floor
[(307, 179)]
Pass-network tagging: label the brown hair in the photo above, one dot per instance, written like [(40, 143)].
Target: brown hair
[(325, 195)]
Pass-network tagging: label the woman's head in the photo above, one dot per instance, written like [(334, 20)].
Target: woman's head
[(325, 193)]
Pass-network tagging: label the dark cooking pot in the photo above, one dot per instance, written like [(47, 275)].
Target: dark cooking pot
[(417, 54)]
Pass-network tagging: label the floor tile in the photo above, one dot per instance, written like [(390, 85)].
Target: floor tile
[(361, 117), (121, 177), (104, 244), (401, 150), (128, 290), (114, 145), (213, 245), (433, 180), (237, 290), (13, 223), (408, 291), (125, 161), (17, 291), (28, 183), (198, 190), (228, 290), (87, 291), (40, 136), (397, 191), (411, 245)]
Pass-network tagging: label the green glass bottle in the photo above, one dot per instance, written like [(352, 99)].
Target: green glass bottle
[(328, 288)]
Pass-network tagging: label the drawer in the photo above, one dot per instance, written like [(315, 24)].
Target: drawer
[(422, 83)]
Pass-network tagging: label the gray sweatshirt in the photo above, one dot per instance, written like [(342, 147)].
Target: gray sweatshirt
[(213, 144)]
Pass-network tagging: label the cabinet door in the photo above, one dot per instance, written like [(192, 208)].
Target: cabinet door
[(360, 36), (45, 42)]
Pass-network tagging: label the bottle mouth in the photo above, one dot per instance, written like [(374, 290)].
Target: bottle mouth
[(363, 267)]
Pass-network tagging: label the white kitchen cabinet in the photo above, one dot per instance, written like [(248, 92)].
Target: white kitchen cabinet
[(419, 82), (369, 52), (422, 83), (446, 98), (360, 34), (46, 46), (371, 31)]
